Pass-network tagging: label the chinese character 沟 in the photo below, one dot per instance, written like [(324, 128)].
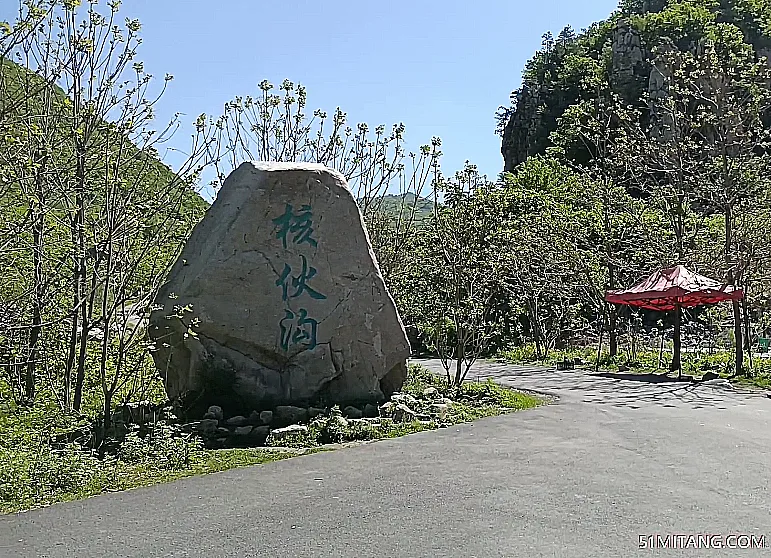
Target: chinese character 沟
[(298, 329)]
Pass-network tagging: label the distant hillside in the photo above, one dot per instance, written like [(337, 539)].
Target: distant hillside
[(139, 169), (404, 204)]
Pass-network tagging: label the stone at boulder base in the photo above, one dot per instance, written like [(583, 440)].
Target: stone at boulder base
[(370, 410), (237, 421), (288, 414), (352, 412), (314, 412), (208, 427), (277, 299), (259, 434), (282, 433), (266, 417)]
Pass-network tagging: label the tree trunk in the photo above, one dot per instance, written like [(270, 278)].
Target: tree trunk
[(460, 357), (79, 249), (536, 330), (38, 242), (732, 279), (676, 358), (612, 310), (599, 345)]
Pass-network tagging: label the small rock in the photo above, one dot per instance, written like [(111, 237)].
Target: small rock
[(216, 412), (623, 368), (194, 426), (237, 421), (289, 414), (222, 431), (282, 433), (259, 434), (430, 392), (387, 409), (266, 417), (336, 421), (209, 416), (709, 376), (254, 418), (440, 410), (289, 429), (370, 410), (314, 412), (403, 413), (243, 430), (208, 427), (352, 412), (404, 398)]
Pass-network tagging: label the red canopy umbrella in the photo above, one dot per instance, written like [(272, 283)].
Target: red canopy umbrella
[(673, 289)]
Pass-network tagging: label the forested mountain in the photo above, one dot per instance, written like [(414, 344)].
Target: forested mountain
[(619, 55)]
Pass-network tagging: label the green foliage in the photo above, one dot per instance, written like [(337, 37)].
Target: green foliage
[(471, 401), (36, 471)]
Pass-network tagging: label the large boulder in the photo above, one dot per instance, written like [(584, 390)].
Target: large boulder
[(277, 299)]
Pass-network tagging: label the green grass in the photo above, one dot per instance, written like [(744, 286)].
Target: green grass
[(646, 362), (36, 477)]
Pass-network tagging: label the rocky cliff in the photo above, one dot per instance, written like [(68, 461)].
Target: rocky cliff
[(616, 55)]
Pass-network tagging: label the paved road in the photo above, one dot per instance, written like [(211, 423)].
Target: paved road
[(611, 460)]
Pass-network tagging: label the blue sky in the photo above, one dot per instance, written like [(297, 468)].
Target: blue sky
[(441, 68)]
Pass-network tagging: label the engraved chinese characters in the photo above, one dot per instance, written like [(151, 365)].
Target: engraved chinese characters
[(297, 328), (277, 299)]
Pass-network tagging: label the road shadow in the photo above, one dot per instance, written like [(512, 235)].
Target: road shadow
[(634, 391), (650, 378)]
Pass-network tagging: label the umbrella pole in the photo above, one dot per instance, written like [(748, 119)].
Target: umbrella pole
[(676, 360), (661, 347), (599, 344)]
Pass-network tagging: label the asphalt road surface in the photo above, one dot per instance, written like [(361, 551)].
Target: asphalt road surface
[(613, 459)]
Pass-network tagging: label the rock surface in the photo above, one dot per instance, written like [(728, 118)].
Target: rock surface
[(277, 299), (352, 412), (288, 414)]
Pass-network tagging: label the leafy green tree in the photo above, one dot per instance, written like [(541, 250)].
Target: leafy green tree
[(462, 268), (390, 184), (710, 135), (98, 216), (542, 237)]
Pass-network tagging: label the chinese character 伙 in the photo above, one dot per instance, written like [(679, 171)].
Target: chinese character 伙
[(299, 225), (300, 283)]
